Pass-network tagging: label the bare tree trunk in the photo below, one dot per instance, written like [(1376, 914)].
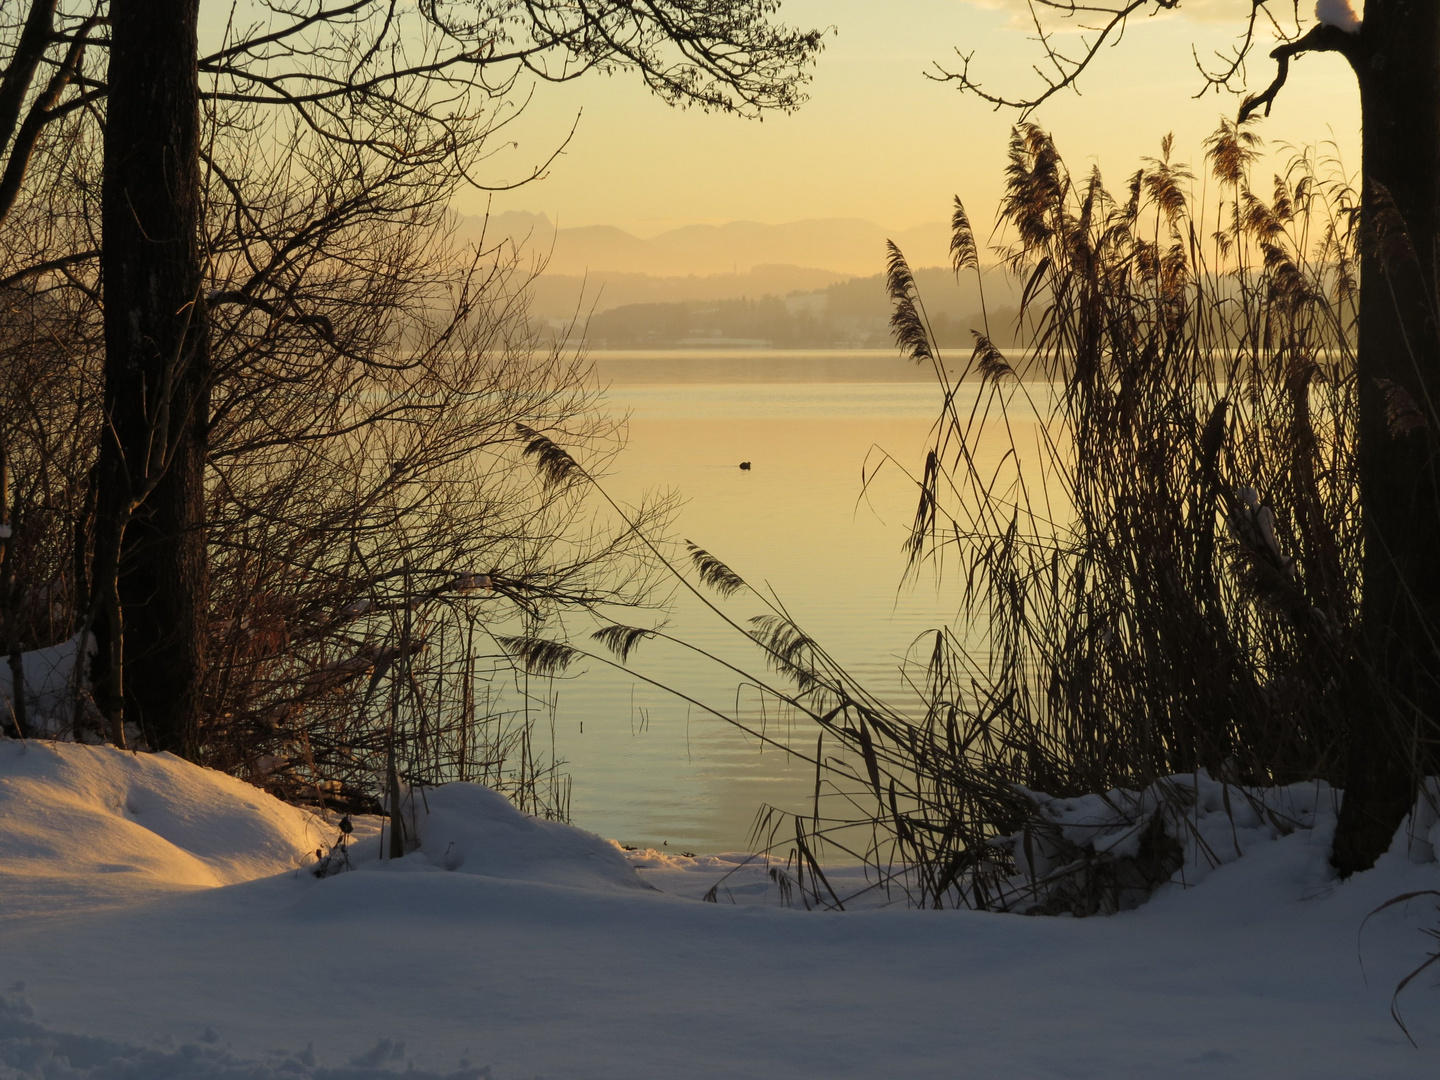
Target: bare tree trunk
[(150, 501), (1399, 370)]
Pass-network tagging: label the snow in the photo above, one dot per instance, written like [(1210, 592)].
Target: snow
[(1209, 823), (92, 826), (473, 830), (50, 687), (165, 923), (1337, 13)]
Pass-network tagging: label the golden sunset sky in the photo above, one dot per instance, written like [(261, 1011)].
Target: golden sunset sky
[(877, 140)]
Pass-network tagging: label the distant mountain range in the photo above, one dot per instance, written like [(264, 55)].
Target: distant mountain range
[(854, 313), (804, 284), (847, 247), (566, 296)]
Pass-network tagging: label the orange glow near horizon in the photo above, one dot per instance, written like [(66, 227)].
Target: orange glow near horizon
[(878, 140)]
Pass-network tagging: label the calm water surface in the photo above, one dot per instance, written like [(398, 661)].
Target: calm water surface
[(652, 770)]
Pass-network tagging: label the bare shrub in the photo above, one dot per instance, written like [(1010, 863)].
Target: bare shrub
[(371, 522)]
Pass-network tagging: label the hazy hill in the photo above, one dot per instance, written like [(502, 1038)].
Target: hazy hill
[(563, 296), (803, 284), (848, 314), (844, 246)]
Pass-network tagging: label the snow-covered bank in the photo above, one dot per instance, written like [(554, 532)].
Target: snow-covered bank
[(535, 956), (88, 826)]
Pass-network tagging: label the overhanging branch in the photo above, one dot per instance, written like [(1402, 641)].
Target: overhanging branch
[(1320, 39), (1064, 71), (48, 265)]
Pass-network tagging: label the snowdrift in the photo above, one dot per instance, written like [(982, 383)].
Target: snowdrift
[(166, 923), (30, 1050), (86, 826), (83, 826), (470, 829)]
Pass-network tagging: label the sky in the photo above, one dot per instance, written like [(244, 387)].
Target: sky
[(878, 140)]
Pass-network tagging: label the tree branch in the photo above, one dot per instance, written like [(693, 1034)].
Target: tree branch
[(231, 296), (45, 267), (34, 40), (1067, 70), (1320, 39), (42, 111)]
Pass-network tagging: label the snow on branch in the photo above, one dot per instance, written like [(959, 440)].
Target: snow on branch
[(1339, 14)]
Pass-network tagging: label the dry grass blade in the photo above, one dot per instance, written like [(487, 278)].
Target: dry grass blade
[(714, 573), (1402, 415), (554, 462), (989, 361), (906, 323), (621, 640), (539, 656), (963, 253), (1433, 958)]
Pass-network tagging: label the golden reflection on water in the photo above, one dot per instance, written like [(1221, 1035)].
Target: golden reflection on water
[(649, 769)]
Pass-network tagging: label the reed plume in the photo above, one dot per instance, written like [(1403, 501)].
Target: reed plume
[(1163, 576)]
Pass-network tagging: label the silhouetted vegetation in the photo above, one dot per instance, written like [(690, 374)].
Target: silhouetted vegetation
[(259, 414), (1390, 48), (848, 315), (1160, 577)]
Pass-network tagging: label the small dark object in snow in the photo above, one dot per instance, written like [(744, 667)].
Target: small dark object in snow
[(337, 859), (745, 465)]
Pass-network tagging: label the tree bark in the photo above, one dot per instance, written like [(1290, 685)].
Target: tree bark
[(1398, 66), (150, 521)]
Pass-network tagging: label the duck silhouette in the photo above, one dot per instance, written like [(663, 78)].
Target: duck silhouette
[(745, 465)]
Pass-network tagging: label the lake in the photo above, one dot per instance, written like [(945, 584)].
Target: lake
[(651, 770)]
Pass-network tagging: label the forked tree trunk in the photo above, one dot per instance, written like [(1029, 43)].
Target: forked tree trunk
[(1398, 697), (152, 457)]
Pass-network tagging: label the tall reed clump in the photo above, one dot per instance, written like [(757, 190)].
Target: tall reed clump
[(1180, 590), (1159, 569), (1167, 576)]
